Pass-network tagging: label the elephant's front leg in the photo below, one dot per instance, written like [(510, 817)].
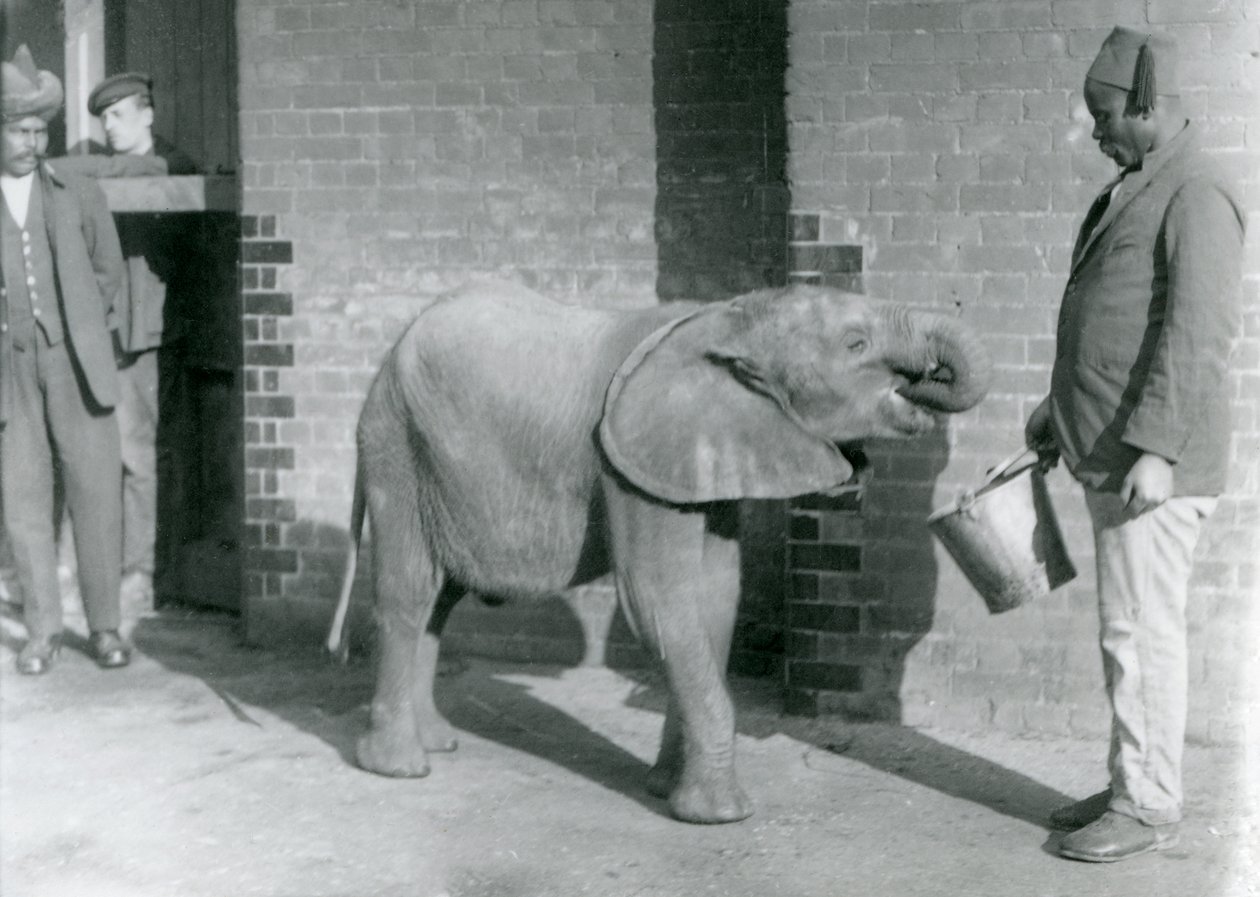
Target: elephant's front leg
[(679, 604), (719, 599)]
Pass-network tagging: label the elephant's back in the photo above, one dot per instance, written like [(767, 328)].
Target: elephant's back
[(516, 352)]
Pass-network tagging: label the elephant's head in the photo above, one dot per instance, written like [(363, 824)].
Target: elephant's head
[(755, 397)]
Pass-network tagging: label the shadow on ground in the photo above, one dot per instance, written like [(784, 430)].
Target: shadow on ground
[(893, 749), (330, 702)]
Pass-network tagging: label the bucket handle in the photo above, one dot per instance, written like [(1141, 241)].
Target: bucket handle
[(967, 500), (1004, 467)]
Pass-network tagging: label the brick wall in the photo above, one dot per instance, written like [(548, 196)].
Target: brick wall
[(614, 153), (949, 141), (604, 153)]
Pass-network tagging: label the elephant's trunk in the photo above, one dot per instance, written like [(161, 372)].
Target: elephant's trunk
[(945, 364)]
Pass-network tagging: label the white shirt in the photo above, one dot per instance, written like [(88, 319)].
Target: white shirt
[(17, 195)]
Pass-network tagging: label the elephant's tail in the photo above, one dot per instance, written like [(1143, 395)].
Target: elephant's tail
[(338, 634)]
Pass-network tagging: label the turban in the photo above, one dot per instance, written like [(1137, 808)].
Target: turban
[(28, 91)]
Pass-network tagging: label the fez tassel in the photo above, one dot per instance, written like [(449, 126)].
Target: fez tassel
[(1144, 79)]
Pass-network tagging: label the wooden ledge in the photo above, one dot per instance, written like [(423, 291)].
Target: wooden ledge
[(185, 193)]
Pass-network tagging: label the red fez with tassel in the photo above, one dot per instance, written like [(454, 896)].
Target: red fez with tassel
[(1144, 64)]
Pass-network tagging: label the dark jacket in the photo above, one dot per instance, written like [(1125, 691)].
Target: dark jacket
[(156, 247), (89, 268), (1148, 319)]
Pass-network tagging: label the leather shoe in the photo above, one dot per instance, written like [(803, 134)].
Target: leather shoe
[(1114, 836), (1081, 813), (109, 650), (37, 655)]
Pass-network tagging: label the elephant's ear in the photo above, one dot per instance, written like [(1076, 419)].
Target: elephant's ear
[(689, 418)]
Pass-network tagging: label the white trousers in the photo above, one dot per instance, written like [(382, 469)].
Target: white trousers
[(1144, 566)]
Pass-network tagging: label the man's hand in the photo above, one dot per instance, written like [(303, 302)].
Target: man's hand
[(1039, 436), (1147, 485)]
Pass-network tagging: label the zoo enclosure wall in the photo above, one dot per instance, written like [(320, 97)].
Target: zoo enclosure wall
[(618, 153)]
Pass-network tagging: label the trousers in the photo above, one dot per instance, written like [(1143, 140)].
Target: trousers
[(149, 407), (54, 428), (1143, 567)]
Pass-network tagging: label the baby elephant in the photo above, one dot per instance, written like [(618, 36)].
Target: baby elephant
[(516, 447)]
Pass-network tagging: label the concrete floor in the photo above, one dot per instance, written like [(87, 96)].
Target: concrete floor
[(209, 768)]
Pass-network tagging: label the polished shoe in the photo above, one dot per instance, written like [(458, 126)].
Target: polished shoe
[(37, 655), (1114, 836), (1081, 813), (108, 649)]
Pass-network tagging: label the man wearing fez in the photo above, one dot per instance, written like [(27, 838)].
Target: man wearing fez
[(154, 246), (1139, 411), (58, 380)]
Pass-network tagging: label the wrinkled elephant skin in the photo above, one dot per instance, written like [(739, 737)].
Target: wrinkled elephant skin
[(516, 447)]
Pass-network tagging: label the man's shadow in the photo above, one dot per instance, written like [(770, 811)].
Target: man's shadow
[(898, 586)]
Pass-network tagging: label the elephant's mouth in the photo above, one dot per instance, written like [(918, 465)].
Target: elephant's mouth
[(906, 416)]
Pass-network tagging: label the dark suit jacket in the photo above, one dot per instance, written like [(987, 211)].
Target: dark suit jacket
[(1148, 318), (89, 268), (155, 246)]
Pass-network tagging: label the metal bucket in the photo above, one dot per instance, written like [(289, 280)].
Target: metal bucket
[(1005, 536)]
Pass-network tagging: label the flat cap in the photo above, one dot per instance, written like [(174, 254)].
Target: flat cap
[(117, 87), (28, 91), (1141, 62)]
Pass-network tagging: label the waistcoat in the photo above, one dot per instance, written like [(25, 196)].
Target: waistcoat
[(29, 272)]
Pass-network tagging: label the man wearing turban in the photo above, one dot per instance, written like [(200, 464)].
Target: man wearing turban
[(62, 268), (1139, 411)]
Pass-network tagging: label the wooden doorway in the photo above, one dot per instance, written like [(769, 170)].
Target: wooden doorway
[(188, 47)]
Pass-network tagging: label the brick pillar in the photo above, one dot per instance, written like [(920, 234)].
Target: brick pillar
[(267, 410), (826, 592)]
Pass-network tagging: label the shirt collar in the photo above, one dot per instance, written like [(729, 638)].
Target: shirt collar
[(17, 195), (17, 186), (10, 182)]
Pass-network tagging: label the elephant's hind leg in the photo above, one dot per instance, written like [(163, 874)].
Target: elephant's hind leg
[(435, 733), (408, 584)]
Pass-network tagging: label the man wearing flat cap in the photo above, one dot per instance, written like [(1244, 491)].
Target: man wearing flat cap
[(1139, 411), (62, 269), (150, 329)]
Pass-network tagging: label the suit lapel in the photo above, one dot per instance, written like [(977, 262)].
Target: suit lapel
[(51, 198), (1133, 185), (1130, 186), (1093, 221)]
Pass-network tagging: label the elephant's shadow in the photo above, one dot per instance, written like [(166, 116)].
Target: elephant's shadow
[(482, 698), (886, 747), (330, 701)]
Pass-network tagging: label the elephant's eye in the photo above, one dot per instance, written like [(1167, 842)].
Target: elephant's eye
[(855, 343)]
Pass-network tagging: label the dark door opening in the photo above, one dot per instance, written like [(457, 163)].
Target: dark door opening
[(188, 47)]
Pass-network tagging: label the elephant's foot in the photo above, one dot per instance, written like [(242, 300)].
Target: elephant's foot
[(388, 752), (710, 799)]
